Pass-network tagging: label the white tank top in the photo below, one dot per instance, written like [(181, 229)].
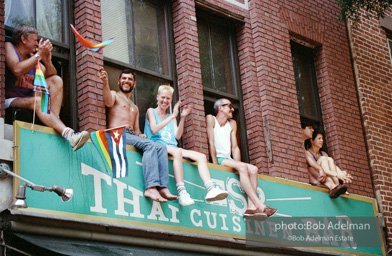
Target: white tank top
[(222, 140)]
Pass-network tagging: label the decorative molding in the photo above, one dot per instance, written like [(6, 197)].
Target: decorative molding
[(244, 5)]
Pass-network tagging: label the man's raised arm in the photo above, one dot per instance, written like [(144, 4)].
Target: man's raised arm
[(109, 97)]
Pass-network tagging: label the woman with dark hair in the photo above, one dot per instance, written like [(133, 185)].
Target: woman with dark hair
[(334, 173)]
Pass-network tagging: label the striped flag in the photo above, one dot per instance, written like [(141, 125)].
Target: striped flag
[(41, 86), (111, 147)]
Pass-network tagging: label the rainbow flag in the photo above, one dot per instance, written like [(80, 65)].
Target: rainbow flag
[(41, 86), (90, 45), (111, 147)]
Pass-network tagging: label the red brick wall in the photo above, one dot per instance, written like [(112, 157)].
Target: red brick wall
[(189, 73), (251, 97), (268, 85), (90, 102), (2, 60), (338, 97), (277, 91), (374, 80)]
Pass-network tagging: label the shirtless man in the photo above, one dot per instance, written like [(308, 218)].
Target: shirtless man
[(21, 57), (224, 150), (122, 111)]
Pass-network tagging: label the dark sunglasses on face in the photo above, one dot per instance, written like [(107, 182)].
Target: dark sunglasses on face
[(228, 104)]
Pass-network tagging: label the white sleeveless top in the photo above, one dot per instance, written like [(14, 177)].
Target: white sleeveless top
[(222, 140)]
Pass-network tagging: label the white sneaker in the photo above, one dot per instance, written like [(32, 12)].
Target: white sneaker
[(216, 194), (78, 139), (185, 199)]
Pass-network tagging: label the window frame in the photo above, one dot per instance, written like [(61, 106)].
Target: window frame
[(169, 37), (310, 54), (211, 95), (67, 55), (389, 40)]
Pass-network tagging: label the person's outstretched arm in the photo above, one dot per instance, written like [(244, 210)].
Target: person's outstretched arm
[(186, 110), (109, 97)]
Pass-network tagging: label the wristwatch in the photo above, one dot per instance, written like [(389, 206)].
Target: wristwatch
[(37, 57)]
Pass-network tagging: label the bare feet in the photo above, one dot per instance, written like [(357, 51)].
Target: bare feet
[(165, 193), (154, 195)]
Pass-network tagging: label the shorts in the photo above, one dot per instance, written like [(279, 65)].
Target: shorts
[(8, 102), (220, 159)]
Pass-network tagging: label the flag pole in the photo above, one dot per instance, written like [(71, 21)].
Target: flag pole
[(93, 57), (118, 127), (35, 103)]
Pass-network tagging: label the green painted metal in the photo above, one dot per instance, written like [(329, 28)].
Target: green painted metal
[(47, 159)]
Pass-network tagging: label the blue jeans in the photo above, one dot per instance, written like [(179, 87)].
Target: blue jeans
[(155, 161)]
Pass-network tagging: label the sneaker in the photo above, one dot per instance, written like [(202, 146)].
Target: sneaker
[(78, 139), (185, 199), (216, 194)]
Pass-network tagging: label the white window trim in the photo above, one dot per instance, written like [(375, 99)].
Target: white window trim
[(245, 5)]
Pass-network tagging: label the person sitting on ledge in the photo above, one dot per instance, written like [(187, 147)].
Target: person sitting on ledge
[(162, 127), (21, 56), (221, 131), (321, 164), (123, 112)]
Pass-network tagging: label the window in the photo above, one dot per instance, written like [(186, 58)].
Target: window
[(142, 42), (51, 18), (306, 83), (45, 15), (219, 68)]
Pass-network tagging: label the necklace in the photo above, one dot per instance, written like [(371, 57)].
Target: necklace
[(128, 100)]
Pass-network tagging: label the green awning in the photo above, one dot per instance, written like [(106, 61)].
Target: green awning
[(54, 246)]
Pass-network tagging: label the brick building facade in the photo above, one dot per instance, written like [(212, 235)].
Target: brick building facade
[(354, 90), (371, 52)]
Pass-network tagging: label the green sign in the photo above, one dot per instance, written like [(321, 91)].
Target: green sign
[(47, 159)]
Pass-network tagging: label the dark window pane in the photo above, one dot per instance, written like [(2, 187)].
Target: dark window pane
[(305, 82), (216, 55), (205, 59), (221, 58), (150, 43)]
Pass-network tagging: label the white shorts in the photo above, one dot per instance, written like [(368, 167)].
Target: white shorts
[(8, 102)]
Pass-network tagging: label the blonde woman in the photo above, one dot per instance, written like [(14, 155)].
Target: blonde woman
[(162, 127)]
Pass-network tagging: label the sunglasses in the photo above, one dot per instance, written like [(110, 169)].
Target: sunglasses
[(228, 104)]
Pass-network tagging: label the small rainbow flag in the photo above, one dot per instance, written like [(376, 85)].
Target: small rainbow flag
[(41, 86), (111, 147), (90, 45)]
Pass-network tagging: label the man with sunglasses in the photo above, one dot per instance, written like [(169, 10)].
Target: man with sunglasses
[(224, 150)]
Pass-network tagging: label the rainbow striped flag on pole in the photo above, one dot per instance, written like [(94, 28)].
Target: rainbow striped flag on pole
[(41, 86), (112, 149)]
